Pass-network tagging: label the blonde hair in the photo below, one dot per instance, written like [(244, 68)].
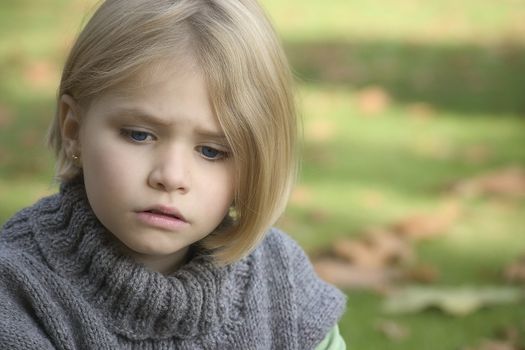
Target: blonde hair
[(249, 84)]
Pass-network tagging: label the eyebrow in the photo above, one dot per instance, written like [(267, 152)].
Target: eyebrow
[(140, 114), (217, 136)]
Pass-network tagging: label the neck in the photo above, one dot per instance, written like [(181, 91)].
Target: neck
[(164, 264)]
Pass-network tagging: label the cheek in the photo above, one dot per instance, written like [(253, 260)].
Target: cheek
[(108, 166), (216, 186), (224, 188), (101, 161)]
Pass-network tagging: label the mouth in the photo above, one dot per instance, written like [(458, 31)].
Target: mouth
[(162, 217), (170, 213)]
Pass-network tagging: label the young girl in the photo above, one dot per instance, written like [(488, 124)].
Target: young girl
[(175, 137)]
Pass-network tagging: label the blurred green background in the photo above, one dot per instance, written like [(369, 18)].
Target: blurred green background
[(408, 107)]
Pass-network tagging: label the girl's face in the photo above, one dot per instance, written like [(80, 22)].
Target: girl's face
[(156, 165)]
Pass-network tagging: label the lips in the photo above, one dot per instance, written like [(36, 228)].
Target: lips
[(167, 214), (166, 211), (162, 217)]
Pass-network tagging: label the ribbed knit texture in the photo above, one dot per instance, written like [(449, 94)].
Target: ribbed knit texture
[(65, 285)]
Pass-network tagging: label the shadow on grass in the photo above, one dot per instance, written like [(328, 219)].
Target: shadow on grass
[(463, 78), (377, 166)]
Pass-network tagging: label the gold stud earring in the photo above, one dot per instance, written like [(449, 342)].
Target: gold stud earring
[(232, 213), (76, 159)]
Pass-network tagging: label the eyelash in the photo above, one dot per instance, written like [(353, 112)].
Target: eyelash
[(220, 154), (127, 133)]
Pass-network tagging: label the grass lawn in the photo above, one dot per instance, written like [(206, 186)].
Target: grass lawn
[(399, 100)]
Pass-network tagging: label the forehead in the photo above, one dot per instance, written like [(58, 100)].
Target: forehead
[(155, 73), (155, 83)]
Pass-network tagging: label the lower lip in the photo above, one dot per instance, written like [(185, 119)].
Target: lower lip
[(162, 222)]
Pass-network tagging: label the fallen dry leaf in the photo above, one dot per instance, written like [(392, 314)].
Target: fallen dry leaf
[(476, 154), (454, 301), (494, 345), (392, 248), (504, 182), (510, 334), (345, 275), (424, 226), (373, 100), (515, 272), (422, 274), (375, 249)]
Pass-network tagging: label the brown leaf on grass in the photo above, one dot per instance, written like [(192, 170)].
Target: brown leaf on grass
[(459, 301), (510, 334), (373, 100), (508, 182), (346, 275), (375, 249), (393, 249), (507, 338), (424, 226), (515, 272), (6, 116), (476, 154), (422, 274), (494, 345), (393, 330)]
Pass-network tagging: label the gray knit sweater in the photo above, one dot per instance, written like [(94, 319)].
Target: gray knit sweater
[(65, 285)]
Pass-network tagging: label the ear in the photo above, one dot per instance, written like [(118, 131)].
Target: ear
[(69, 117)]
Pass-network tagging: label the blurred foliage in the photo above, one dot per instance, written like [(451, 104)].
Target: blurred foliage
[(401, 100)]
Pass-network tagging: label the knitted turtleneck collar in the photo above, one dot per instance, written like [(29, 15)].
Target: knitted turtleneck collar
[(140, 303)]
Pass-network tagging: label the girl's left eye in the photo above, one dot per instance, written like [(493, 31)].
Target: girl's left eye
[(137, 135), (211, 153)]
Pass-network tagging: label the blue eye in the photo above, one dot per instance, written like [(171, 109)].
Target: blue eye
[(211, 153), (137, 135)]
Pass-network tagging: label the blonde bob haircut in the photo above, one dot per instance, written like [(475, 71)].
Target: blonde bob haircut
[(249, 85)]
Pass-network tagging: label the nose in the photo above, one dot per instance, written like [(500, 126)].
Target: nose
[(171, 171)]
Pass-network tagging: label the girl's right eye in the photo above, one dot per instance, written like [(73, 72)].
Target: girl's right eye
[(137, 135)]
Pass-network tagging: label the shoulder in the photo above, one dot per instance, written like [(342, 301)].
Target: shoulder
[(19, 325), (279, 245), (21, 227), (318, 304), (12, 263), (17, 270)]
